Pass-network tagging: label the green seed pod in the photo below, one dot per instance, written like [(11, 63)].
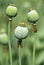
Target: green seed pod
[(21, 31), (3, 38), (33, 16), (11, 11)]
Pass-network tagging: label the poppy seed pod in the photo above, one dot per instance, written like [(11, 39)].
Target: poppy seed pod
[(21, 31), (3, 38), (32, 16), (11, 11)]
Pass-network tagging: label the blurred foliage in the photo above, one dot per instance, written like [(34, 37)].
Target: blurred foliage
[(27, 50)]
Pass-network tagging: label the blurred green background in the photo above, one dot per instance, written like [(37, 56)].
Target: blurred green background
[(27, 50)]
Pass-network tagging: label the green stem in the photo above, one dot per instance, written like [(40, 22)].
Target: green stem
[(19, 56), (34, 48), (10, 51)]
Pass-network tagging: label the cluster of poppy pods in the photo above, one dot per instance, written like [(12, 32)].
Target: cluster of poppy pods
[(21, 31)]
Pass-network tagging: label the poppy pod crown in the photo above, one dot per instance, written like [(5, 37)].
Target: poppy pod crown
[(22, 24)]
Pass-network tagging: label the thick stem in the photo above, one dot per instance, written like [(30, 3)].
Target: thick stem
[(9, 43), (34, 48), (19, 55)]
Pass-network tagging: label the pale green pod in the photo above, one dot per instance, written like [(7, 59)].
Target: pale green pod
[(11, 11), (33, 16), (21, 32)]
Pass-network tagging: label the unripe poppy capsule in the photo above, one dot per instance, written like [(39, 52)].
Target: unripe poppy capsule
[(11, 11), (32, 16), (21, 31)]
